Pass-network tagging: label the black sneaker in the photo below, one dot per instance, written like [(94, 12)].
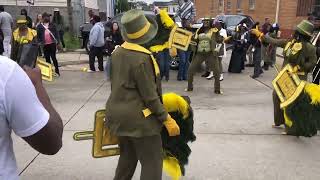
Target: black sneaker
[(206, 74), (218, 92), (254, 76)]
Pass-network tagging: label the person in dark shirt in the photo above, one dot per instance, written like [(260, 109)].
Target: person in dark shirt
[(116, 34), (24, 12), (266, 26)]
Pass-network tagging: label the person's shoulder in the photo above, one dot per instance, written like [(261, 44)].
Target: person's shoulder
[(6, 68), (131, 53), (310, 47), (131, 56), (34, 32), (16, 31)]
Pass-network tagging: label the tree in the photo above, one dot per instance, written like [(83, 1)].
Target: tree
[(70, 16), (122, 6)]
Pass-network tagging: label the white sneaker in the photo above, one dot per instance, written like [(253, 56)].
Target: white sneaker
[(221, 77), (90, 71), (210, 76)]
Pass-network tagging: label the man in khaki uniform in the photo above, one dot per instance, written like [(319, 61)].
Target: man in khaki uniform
[(298, 52), (134, 110), (208, 39)]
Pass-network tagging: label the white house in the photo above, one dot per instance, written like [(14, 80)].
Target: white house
[(170, 5)]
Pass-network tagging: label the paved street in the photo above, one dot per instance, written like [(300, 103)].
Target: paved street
[(235, 140)]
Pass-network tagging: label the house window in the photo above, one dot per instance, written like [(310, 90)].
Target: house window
[(212, 5), (228, 4), (316, 8), (239, 4), (304, 7), (252, 4), (221, 3), (221, 6)]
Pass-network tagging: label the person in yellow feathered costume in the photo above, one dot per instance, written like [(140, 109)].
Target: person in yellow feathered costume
[(159, 46), (21, 36), (301, 117)]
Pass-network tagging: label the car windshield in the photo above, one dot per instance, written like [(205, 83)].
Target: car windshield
[(233, 20), (199, 21)]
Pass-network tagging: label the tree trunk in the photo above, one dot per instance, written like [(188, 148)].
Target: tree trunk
[(70, 16)]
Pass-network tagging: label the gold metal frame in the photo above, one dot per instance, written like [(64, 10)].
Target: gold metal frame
[(101, 138), (46, 70), (180, 38), (288, 86)]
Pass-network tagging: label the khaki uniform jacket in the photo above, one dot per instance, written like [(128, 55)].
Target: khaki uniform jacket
[(216, 38), (306, 60), (134, 107)]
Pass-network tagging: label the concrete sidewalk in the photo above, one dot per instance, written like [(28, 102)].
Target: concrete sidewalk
[(73, 57), (235, 140), (76, 57), (80, 56)]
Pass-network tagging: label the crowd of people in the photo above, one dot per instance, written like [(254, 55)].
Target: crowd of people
[(46, 32)]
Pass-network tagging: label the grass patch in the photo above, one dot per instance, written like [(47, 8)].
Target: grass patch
[(72, 42)]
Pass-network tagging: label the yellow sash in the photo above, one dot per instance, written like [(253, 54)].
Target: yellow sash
[(136, 47)]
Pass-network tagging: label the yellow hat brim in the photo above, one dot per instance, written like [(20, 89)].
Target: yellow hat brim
[(21, 21)]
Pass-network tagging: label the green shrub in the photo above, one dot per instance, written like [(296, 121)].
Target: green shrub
[(72, 42)]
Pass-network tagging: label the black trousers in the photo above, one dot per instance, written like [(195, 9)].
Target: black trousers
[(257, 62), (85, 38), (146, 150), (50, 51), (96, 52), (61, 34), (278, 113)]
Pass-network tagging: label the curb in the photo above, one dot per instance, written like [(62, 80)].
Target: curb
[(280, 55), (67, 63)]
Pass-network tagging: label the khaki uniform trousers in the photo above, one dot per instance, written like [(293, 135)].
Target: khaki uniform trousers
[(146, 150), (211, 61)]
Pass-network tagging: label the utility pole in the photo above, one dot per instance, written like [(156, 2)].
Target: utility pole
[(277, 11)]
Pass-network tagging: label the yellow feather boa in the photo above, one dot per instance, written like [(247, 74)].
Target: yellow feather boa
[(173, 103), (166, 20), (314, 92), (172, 168), (167, 23)]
